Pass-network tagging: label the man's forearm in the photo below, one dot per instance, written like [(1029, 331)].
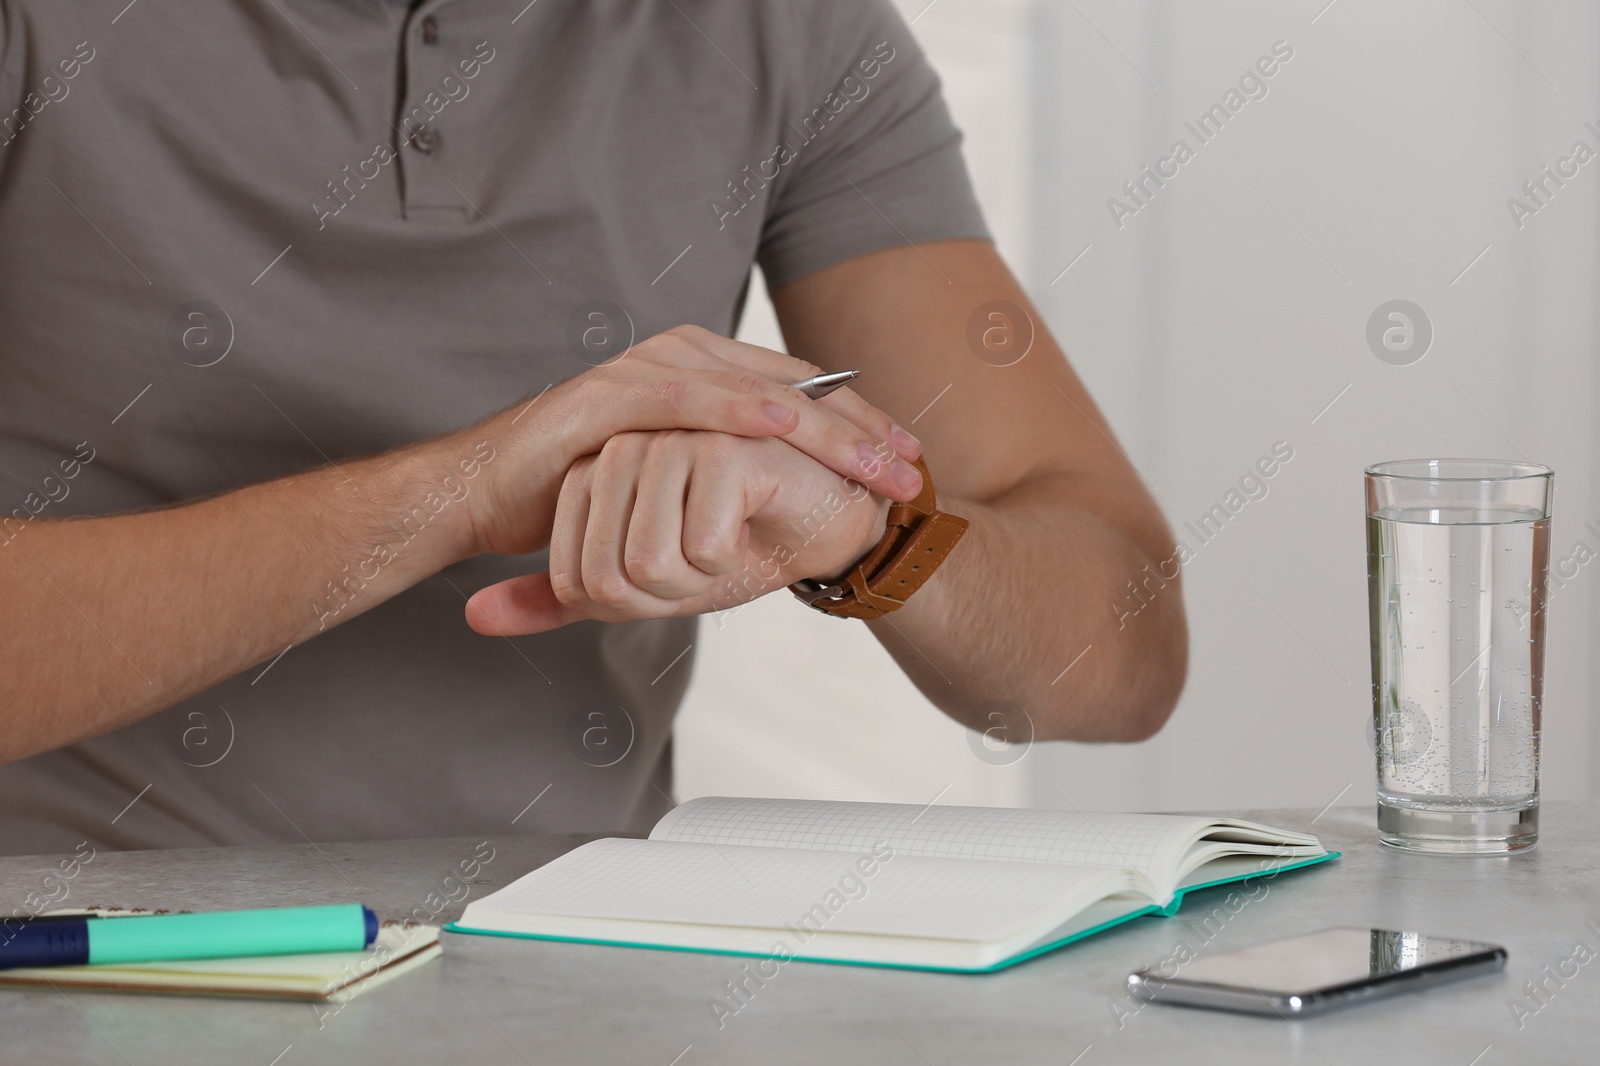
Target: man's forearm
[(947, 339), (1039, 585), (105, 620), (109, 619)]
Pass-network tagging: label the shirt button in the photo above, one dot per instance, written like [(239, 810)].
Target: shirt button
[(430, 30), (425, 140)]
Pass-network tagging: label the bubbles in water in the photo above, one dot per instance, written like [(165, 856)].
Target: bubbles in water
[(1481, 747)]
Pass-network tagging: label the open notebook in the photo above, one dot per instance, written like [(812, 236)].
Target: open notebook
[(967, 889), (328, 977)]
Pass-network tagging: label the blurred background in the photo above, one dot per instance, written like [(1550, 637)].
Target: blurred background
[(1225, 313)]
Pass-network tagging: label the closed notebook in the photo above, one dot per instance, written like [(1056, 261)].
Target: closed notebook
[(965, 889), (328, 977)]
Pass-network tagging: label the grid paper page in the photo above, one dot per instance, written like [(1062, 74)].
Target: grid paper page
[(1149, 843), (734, 885)]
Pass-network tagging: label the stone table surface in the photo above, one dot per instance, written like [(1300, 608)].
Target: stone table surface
[(492, 1000)]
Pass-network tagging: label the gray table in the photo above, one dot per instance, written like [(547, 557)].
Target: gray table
[(493, 1000)]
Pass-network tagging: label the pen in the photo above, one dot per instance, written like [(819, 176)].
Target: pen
[(166, 937), (819, 386)]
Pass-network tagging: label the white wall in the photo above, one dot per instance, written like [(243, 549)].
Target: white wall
[(1223, 317)]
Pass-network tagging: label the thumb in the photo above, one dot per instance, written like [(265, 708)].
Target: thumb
[(517, 607)]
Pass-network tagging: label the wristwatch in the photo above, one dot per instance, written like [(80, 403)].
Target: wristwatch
[(916, 540)]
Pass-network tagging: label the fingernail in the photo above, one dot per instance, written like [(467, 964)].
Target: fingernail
[(782, 414), (873, 456), (903, 442), (903, 477)]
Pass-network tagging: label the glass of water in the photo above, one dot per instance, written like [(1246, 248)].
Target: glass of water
[(1457, 553)]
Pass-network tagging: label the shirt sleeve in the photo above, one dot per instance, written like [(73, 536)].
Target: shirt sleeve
[(873, 159), (5, 16)]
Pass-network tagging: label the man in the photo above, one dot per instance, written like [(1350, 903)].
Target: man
[(360, 338)]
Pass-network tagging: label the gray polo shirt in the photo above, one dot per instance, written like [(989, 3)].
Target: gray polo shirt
[(242, 238)]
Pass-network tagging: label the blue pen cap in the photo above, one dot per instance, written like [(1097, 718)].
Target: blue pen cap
[(52, 943), (372, 924)]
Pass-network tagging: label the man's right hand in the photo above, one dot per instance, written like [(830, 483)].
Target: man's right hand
[(109, 618), (686, 378)]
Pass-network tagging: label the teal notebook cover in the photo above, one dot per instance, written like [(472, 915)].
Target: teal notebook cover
[(1034, 952)]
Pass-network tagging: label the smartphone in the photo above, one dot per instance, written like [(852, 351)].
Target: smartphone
[(1318, 971)]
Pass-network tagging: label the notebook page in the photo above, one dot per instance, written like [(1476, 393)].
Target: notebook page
[(790, 889), (1149, 843)]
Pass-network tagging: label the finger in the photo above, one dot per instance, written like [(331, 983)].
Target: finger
[(653, 556), (611, 495), (566, 537), (776, 365), (823, 434), (839, 445), (845, 402), (850, 405), (694, 394), (517, 607), (638, 396), (828, 437), (719, 499)]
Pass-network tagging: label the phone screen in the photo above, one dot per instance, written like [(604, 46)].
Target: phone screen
[(1331, 958)]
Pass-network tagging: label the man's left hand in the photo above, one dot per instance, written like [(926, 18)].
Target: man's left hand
[(670, 523)]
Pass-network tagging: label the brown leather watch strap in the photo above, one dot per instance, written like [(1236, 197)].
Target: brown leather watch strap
[(916, 539)]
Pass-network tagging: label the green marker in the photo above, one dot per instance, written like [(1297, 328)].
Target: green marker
[(75, 941)]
